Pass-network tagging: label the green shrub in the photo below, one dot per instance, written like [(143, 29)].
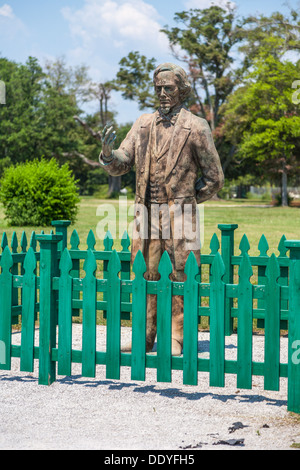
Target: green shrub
[(36, 192)]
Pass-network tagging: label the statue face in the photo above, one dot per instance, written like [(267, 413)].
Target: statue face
[(167, 91)]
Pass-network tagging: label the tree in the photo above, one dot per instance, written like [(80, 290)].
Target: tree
[(205, 42), (20, 117), (37, 119), (65, 89), (134, 80), (259, 30), (102, 93), (266, 41), (73, 81), (262, 120)]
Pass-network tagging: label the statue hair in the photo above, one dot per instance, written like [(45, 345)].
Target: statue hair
[(181, 78)]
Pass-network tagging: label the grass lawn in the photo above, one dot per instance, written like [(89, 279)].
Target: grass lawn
[(273, 222), (254, 221)]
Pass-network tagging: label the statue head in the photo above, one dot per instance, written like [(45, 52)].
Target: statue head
[(171, 85)]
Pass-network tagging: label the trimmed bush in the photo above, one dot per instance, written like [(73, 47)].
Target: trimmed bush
[(36, 192)]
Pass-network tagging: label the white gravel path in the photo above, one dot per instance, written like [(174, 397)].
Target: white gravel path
[(81, 413)]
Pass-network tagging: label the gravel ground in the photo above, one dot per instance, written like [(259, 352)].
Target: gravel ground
[(81, 413)]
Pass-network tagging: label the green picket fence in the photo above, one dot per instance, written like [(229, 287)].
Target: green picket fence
[(50, 285)]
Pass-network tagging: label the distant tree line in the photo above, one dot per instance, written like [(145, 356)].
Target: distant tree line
[(42, 117), (242, 71)]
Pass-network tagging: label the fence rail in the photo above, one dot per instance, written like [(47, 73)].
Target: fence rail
[(51, 285)]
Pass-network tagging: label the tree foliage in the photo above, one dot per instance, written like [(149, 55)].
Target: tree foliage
[(20, 118), (134, 80), (260, 31), (38, 118), (263, 122), (205, 40)]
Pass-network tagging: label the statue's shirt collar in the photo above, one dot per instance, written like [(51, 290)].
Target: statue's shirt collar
[(171, 117)]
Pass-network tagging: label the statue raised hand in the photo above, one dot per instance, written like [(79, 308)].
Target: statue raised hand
[(108, 137)]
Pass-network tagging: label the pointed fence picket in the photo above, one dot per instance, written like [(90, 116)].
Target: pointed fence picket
[(113, 322), (17, 267), (65, 314), (217, 323), (164, 319), (50, 283), (29, 292), (272, 325), (190, 321), (245, 322), (139, 296), (89, 316), (75, 271), (6, 302)]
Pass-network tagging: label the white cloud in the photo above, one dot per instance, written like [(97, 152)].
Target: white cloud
[(201, 4), (104, 31), (6, 11), (10, 26), (118, 23)]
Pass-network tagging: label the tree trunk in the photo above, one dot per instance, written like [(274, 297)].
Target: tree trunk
[(114, 184), (284, 192)]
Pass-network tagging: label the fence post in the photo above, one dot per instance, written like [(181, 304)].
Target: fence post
[(227, 250), (48, 269), (294, 327), (61, 228)]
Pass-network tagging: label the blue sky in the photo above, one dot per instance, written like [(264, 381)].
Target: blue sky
[(99, 33)]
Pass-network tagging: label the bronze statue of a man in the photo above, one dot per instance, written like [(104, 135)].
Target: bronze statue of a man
[(168, 148)]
